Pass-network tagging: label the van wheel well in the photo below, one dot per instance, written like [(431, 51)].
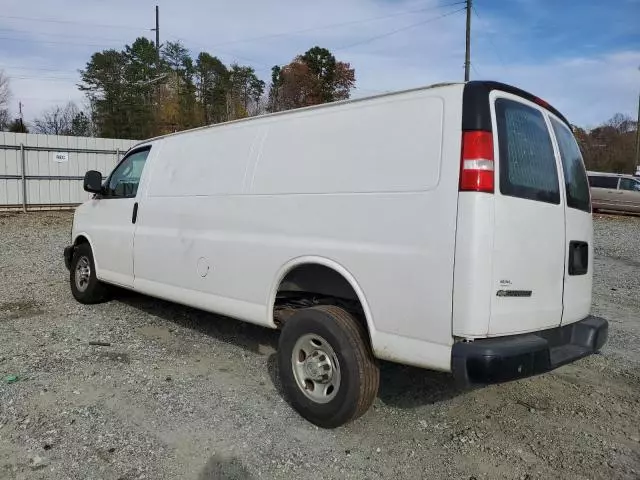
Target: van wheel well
[(80, 240), (312, 284)]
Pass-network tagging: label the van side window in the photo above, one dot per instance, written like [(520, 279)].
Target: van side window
[(123, 181), (527, 162), (575, 176), (603, 181), (629, 184)]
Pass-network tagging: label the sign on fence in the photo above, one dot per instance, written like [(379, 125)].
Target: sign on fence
[(60, 157)]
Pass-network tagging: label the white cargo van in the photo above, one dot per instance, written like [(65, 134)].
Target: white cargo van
[(446, 227)]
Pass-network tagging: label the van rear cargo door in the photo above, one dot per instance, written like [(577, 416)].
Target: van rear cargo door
[(578, 274), (528, 258)]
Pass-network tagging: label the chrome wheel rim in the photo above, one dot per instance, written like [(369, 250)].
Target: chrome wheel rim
[(83, 273), (316, 368)]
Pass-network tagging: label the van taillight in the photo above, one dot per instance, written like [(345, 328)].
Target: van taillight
[(476, 167)]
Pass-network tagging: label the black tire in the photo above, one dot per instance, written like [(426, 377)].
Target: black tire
[(359, 373), (93, 291)]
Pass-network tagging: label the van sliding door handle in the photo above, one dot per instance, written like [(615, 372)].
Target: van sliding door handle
[(134, 216)]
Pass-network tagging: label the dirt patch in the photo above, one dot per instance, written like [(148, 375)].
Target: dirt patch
[(19, 309)]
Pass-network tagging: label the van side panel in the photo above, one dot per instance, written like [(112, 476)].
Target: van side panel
[(205, 162), (370, 186), (389, 145)]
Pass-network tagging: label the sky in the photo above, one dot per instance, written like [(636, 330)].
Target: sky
[(583, 56)]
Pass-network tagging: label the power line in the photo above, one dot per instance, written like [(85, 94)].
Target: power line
[(489, 37), (71, 22), (222, 53), (41, 69), (61, 35), (30, 77), (361, 42), (35, 40), (401, 29), (229, 54), (335, 25), (253, 61)]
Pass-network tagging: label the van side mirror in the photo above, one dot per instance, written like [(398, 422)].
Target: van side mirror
[(93, 181)]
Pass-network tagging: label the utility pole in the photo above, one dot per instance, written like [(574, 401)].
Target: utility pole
[(155, 95), (638, 139), (21, 118), (157, 30), (467, 52)]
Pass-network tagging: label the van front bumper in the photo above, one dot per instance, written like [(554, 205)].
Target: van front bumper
[(500, 359)]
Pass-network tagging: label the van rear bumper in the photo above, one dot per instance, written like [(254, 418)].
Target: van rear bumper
[(500, 359)]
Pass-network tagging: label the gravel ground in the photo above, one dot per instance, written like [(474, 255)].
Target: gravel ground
[(185, 394)]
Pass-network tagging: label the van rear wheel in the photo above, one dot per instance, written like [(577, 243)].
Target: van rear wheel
[(327, 368), (85, 286)]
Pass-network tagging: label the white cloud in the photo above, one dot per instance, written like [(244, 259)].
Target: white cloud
[(587, 88)]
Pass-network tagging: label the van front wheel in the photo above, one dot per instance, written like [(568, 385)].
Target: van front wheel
[(327, 369), (85, 286)]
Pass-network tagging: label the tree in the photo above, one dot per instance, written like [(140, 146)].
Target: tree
[(322, 65), (296, 87), (131, 95), (17, 126), (81, 125), (52, 122), (67, 120), (244, 92), (178, 108), (312, 78), (103, 81), (4, 119), (120, 88), (609, 147), (212, 84), (5, 96), (274, 89), (140, 87)]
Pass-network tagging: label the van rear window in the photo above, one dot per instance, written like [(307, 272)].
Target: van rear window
[(575, 176), (527, 162)]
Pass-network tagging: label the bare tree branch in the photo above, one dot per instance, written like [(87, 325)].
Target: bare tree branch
[(5, 96), (67, 120)]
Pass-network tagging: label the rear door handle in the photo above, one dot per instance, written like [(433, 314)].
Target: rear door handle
[(134, 216), (578, 257)]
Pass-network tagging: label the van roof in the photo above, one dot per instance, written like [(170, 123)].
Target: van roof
[(312, 107), (474, 91), (476, 114)]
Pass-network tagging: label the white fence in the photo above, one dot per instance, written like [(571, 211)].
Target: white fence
[(46, 171)]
